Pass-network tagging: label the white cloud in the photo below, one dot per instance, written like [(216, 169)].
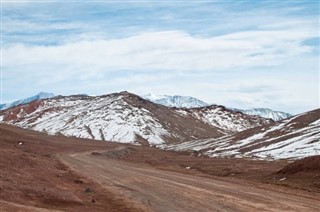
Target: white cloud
[(167, 50), (249, 57)]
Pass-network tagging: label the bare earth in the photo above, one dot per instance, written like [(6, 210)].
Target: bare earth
[(159, 190), (55, 173)]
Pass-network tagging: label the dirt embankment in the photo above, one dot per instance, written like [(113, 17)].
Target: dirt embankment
[(306, 165), (303, 174)]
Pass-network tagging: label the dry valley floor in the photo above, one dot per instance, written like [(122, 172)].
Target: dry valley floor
[(41, 172)]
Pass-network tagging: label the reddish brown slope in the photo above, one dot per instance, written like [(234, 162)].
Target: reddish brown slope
[(32, 175)]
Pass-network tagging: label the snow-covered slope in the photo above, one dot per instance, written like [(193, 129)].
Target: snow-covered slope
[(175, 101), (125, 117), (41, 95), (296, 137), (267, 113), (221, 117), (121, 117)]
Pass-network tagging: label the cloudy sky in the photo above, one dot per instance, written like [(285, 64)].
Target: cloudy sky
[(238, 54)]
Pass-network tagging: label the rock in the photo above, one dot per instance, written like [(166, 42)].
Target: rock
[(88, 190), (78, 181)]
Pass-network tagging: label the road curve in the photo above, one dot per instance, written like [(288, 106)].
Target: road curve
[(159, 190)]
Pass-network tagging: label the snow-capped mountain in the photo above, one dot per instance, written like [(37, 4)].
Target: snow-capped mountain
[(191, 102), (175, 101), (267, 113), (41, 95), (125, 117), (292, 138)]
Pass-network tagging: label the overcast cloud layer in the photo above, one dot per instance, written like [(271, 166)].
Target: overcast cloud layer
[(240, 55)]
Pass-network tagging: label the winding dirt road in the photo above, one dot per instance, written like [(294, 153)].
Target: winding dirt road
[(158, 190)]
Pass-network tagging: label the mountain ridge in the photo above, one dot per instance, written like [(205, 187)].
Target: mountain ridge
[(124, 117), (169, 101), (267, 113), (192, 102)]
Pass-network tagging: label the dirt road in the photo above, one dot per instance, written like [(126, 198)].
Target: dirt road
[(158, 190)]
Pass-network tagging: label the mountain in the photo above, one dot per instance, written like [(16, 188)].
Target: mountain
[(292, 138), (41, 95), (127, 118), (267, 113), (175, 101), (221, 117), (191, 102)]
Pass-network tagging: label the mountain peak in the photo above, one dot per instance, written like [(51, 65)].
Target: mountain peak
[(151, 96), (267, 113), (41, 95), (175, 101), (45, 95)]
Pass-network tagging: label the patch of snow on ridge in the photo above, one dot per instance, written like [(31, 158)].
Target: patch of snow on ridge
[(296, 147), (109, 119), (223, 118)]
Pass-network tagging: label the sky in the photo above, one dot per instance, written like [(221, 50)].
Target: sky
[(241, 54)]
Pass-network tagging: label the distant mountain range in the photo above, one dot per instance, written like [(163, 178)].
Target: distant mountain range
[(213, 130), (267, 113), (41, 95), (169, 101), (191, 102)]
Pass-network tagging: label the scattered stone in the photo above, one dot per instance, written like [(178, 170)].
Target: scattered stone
[(78, 181), (93, 201), (96, 153), (88, 190)]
